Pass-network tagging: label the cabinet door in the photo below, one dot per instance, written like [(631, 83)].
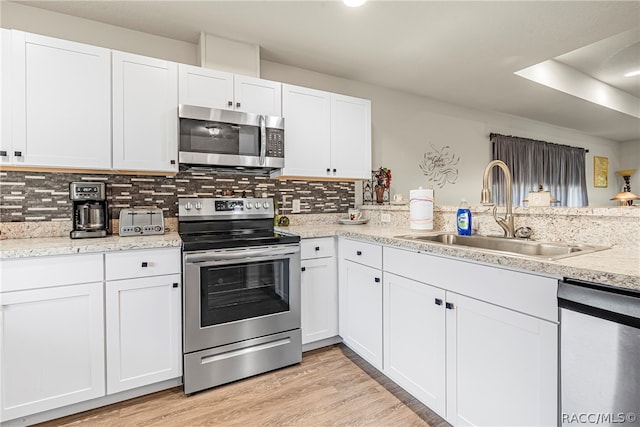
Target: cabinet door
[(5, 96), (51, 348), (143, 324), (307, 115), (350, 137), (501, 366), (257, 96), (414, 344), (61, 103), (361, 310), (319, 295), (205, 87), (145, 113)]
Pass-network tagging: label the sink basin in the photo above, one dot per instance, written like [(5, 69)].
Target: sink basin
[(529, 248)]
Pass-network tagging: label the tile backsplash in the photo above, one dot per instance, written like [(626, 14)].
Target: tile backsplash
[(44, 196)]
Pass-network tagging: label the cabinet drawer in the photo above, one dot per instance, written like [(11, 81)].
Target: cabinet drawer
[(317, 248), (363, 253), (43, 272), (142, 263)]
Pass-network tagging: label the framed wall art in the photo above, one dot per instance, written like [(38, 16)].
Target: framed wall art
[(600, 172)]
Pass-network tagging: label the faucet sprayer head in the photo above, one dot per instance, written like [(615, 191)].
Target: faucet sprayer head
[(485, 197)]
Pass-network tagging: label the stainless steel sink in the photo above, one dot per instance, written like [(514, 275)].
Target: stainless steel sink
[(529, 248)]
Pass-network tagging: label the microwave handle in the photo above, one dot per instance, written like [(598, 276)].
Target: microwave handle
[(263, 140)]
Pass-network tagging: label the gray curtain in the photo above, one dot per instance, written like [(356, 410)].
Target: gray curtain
[(559, 168)]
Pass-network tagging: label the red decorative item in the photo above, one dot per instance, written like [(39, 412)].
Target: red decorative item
[(383, 180)]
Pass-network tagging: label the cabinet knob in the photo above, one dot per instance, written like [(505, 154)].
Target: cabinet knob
[(334, 170), (3, 153), (175, 285), (173, 162), (449, 306), (317, 248), (237, 105), (304, 269), (230, 104), (438, 301), (328, 170), (376, 279), (17, 153), (358, 252), (145, 264)]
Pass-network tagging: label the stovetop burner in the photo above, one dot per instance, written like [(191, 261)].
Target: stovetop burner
[(206, 224)]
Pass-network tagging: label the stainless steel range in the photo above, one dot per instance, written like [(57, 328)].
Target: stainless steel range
[(241, 291)]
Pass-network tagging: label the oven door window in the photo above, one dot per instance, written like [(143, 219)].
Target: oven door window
[(200, 136), (235, 292)]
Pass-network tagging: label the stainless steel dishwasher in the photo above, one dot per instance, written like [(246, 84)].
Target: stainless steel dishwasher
[(599, 354)]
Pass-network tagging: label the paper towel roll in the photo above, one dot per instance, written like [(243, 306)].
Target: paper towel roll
[(421, 209)]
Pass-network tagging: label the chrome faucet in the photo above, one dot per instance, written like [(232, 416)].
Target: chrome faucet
[(485, 198)]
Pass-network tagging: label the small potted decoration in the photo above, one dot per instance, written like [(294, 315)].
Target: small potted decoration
[(383, 182)]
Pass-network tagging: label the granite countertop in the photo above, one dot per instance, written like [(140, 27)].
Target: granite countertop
[(618, 267), (23, 248)]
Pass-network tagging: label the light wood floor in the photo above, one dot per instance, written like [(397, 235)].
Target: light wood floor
[(331, 387)]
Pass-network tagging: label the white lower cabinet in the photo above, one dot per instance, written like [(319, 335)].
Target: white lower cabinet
[(319, 290), (51, 340), (54, 312), (143, 331), (143, 317), (471, 358), (360, 290), (501, 366), (414, 344)]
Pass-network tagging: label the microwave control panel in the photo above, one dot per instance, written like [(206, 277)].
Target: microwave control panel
[(275, 142)]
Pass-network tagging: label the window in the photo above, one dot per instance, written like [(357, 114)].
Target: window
[(560, 169)]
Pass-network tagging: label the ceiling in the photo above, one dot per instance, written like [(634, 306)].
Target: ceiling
[(465, 53)]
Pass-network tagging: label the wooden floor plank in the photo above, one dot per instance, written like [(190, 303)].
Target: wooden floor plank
[(331, 387)]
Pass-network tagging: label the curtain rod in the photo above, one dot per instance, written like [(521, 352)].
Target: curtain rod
[(491, 135)]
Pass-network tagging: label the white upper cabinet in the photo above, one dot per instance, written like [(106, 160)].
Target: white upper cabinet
[(326, 135), (218, 89), (145, 113), (257, 96), (350, 136), (307, 115), (61, 99), (205, 87), (5, 96)]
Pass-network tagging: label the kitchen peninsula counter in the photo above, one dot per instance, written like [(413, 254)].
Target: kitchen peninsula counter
[(618, 266), (51, 246)]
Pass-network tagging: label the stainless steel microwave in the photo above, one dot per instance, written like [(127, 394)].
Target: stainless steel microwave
[(230, 139)]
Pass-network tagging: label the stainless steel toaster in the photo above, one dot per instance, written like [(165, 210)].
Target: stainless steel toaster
[(136, 222)]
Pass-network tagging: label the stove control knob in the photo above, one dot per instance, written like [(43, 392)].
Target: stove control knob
[(198, 205), (266, 205), (248, 205), (188, 206)]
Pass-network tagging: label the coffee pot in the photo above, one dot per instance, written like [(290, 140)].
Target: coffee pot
[(90, 214)]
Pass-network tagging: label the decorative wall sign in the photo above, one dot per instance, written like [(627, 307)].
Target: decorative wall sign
[(440, 165), (600, 172)]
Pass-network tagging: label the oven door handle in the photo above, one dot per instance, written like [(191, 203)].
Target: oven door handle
[(240, 255)]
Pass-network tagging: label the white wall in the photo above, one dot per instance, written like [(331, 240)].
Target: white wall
[(630, 159), (403, 125), (31, 19)]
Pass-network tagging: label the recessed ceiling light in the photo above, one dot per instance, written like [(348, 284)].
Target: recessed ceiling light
[(633, 73), (354, 3)]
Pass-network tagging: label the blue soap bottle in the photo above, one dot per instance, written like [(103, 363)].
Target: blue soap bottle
[(463, 219)]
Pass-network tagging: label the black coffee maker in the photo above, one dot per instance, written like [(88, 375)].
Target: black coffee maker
[(90, 214)]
